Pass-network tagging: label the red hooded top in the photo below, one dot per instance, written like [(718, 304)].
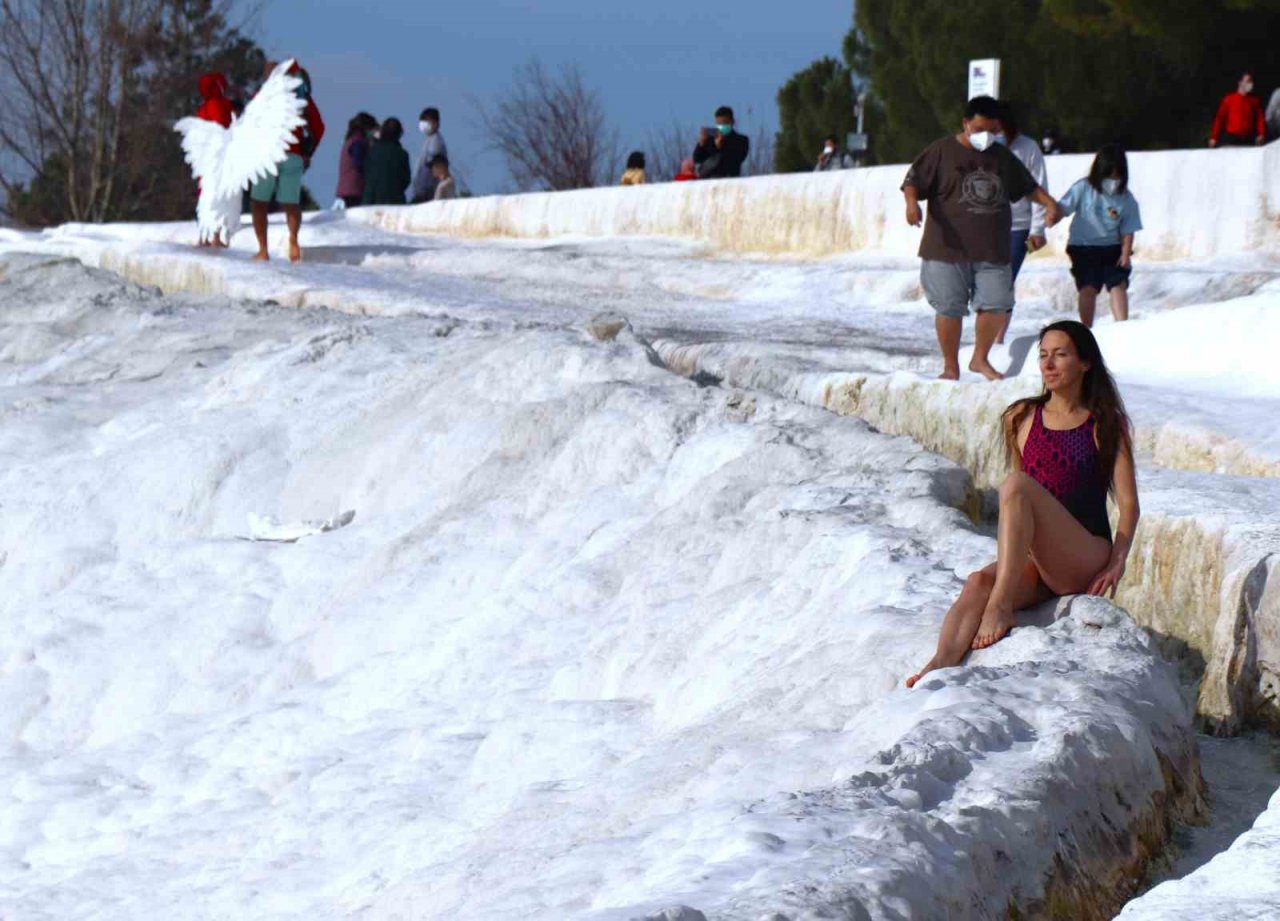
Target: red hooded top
[(216, 106), (307, 139)]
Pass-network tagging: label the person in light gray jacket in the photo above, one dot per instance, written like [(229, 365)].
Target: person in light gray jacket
[(1273, 116), (832, 157), (424, 184), (1028, 217)]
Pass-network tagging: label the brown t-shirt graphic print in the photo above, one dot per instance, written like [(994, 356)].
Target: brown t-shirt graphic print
[(968, 193)]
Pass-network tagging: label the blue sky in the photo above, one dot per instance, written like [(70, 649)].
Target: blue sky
[(653, 61)]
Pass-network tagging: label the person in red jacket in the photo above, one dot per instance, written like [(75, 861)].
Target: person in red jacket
[(217, 105), (286, 185), (215, 108), (1240, 121)]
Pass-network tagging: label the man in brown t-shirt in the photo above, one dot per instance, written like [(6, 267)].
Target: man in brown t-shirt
[(968, 181)]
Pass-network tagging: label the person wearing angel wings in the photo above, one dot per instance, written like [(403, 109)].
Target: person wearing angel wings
[(268, 148)]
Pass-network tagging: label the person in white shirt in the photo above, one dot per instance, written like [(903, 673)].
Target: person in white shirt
[(424, 183), (1028, 217), (1273, 115)]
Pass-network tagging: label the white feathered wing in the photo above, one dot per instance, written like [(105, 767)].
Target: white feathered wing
[(228, 160)]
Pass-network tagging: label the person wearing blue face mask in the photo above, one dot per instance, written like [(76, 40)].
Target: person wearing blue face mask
[(721, 151), (1101, 240), (968, 182)]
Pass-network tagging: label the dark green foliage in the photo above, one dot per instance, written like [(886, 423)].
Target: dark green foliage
[(816, 102), (1148, 73)]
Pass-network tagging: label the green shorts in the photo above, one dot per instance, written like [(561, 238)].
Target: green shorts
[(285, 186)]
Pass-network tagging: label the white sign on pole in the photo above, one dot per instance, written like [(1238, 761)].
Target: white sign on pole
[(984, 78)]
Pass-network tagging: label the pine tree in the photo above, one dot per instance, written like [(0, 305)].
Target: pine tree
[(816, 102)]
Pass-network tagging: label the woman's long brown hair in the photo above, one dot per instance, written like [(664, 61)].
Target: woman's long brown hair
[(1098, 393)]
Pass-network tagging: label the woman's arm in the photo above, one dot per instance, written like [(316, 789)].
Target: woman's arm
[(1126, 251), (1126, 493)]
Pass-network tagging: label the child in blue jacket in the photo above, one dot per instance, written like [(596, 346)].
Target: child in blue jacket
[(1101, 240)]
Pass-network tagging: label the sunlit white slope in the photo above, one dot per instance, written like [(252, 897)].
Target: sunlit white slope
[(596, 641)]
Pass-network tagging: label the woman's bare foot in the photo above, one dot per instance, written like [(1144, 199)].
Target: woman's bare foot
[(261, 256), (986, 370), (949, 374), (995, 626), (930, 666), (295, 252)]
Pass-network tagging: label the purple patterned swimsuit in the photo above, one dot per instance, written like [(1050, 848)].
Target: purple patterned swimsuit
[(1066, 464)]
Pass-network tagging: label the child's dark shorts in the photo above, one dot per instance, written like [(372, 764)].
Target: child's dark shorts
[(1096, 267)]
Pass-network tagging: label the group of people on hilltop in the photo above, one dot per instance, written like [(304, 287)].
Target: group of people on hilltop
[(972, 248), (1241, 120), (720, 153), (373, 166), (284, 187)]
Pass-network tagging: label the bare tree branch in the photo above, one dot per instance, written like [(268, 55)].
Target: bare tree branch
[(89, 90), (552, 130), (667, 148)]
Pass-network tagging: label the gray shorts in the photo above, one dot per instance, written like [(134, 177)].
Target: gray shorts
[(951, 287)]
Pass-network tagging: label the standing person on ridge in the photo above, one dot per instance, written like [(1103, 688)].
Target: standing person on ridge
[(721, 151), (446, 189), (1240, 121), (634, 173), (286, 185), (351, 159), (968, 181), (1272, 115), (1101, 241), (832, 157), (424, 184), (1028, 219), (386, 173), (1069, 447), (216, 108)]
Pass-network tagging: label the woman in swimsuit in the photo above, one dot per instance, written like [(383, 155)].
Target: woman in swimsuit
[(1073, 445)]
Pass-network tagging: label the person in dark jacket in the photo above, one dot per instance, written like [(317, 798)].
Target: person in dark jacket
[(355, 147), (386, 167), (1240, 121), (721, 151)]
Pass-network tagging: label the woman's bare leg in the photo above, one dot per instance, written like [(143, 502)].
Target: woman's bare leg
[(1088, 301), (960, 626), (1120, 303), (1033, 523)]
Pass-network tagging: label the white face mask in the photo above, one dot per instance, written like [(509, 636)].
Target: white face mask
[(981, 140), (1246, 88), (1111, 186), (427, 127), (828, 150)]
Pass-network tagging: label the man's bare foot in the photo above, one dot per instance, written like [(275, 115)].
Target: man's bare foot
[(261, 256), (984, 368), (949, 374), (930, 666), (995, 626), (295, 252)]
